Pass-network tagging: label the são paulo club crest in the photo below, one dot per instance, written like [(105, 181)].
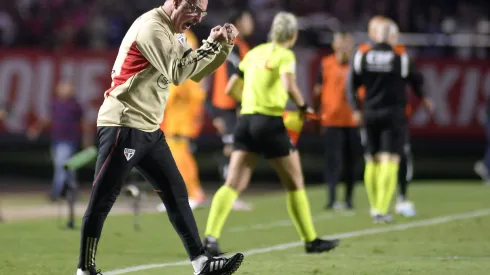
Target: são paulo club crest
[(182, 39), (129, 153)]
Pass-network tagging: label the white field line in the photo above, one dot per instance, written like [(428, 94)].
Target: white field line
[(345, 235), (400, 257), (286, 223)]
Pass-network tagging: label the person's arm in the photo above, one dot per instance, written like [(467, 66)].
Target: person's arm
[(34, 131), (215, 64), (354, 81), (287, 70), (231, 32), (158, 47), (412, 75), (415, 79), (87, 133), (289, 82), (87, 128), (352, 87), (317, 89), (233, 61)]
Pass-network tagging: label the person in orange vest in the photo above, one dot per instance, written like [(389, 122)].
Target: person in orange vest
[(340, 130), (181, 124), (223, 107)]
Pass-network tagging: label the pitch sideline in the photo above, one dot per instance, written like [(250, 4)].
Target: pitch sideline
[(345, 235)]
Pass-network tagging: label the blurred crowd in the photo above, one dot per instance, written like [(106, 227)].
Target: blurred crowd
[(101, 24)]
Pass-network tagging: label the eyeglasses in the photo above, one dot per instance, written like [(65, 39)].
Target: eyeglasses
[(195, 9)]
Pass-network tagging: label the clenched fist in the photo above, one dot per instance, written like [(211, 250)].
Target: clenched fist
[(219, 34), (231, 32)]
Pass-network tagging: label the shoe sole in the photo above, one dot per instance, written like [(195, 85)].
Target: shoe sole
[(235, 264)]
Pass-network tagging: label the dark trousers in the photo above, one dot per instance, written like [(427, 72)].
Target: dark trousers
[(121, 149), (342, 153), (405, 172)]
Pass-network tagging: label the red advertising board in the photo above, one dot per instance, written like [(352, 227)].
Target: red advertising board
[(460, 90), (28, 79)]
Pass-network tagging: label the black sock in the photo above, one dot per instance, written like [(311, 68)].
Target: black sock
[(349, 189)]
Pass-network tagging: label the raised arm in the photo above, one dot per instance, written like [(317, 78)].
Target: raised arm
[(215, 63), (158, 47), (416, 80), (231, 32)]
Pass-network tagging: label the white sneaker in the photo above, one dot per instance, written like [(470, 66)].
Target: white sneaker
[(240, 205), (339, 205), (161, 208), (373, 212), (195, 204), (88, 272), (481, 169), (217, 265), (405, 208)]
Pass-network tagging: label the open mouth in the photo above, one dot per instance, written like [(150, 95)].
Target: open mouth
[(187, 25)]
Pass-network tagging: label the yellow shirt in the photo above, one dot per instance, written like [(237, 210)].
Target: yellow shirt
[(263, 91)]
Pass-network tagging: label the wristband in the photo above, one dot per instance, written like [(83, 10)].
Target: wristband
[(303, 107)]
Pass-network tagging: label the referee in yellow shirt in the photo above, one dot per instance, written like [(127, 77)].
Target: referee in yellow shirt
[(266, 80)]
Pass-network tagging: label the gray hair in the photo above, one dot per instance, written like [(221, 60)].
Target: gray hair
[(284, 27)]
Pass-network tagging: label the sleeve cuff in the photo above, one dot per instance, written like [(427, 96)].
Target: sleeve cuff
[(215, 45)]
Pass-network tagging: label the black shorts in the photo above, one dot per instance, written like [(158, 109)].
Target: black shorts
[(229, 117), (384, 136), (262, 134)]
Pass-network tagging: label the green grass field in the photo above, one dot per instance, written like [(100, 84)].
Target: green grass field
[(449, 236)]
